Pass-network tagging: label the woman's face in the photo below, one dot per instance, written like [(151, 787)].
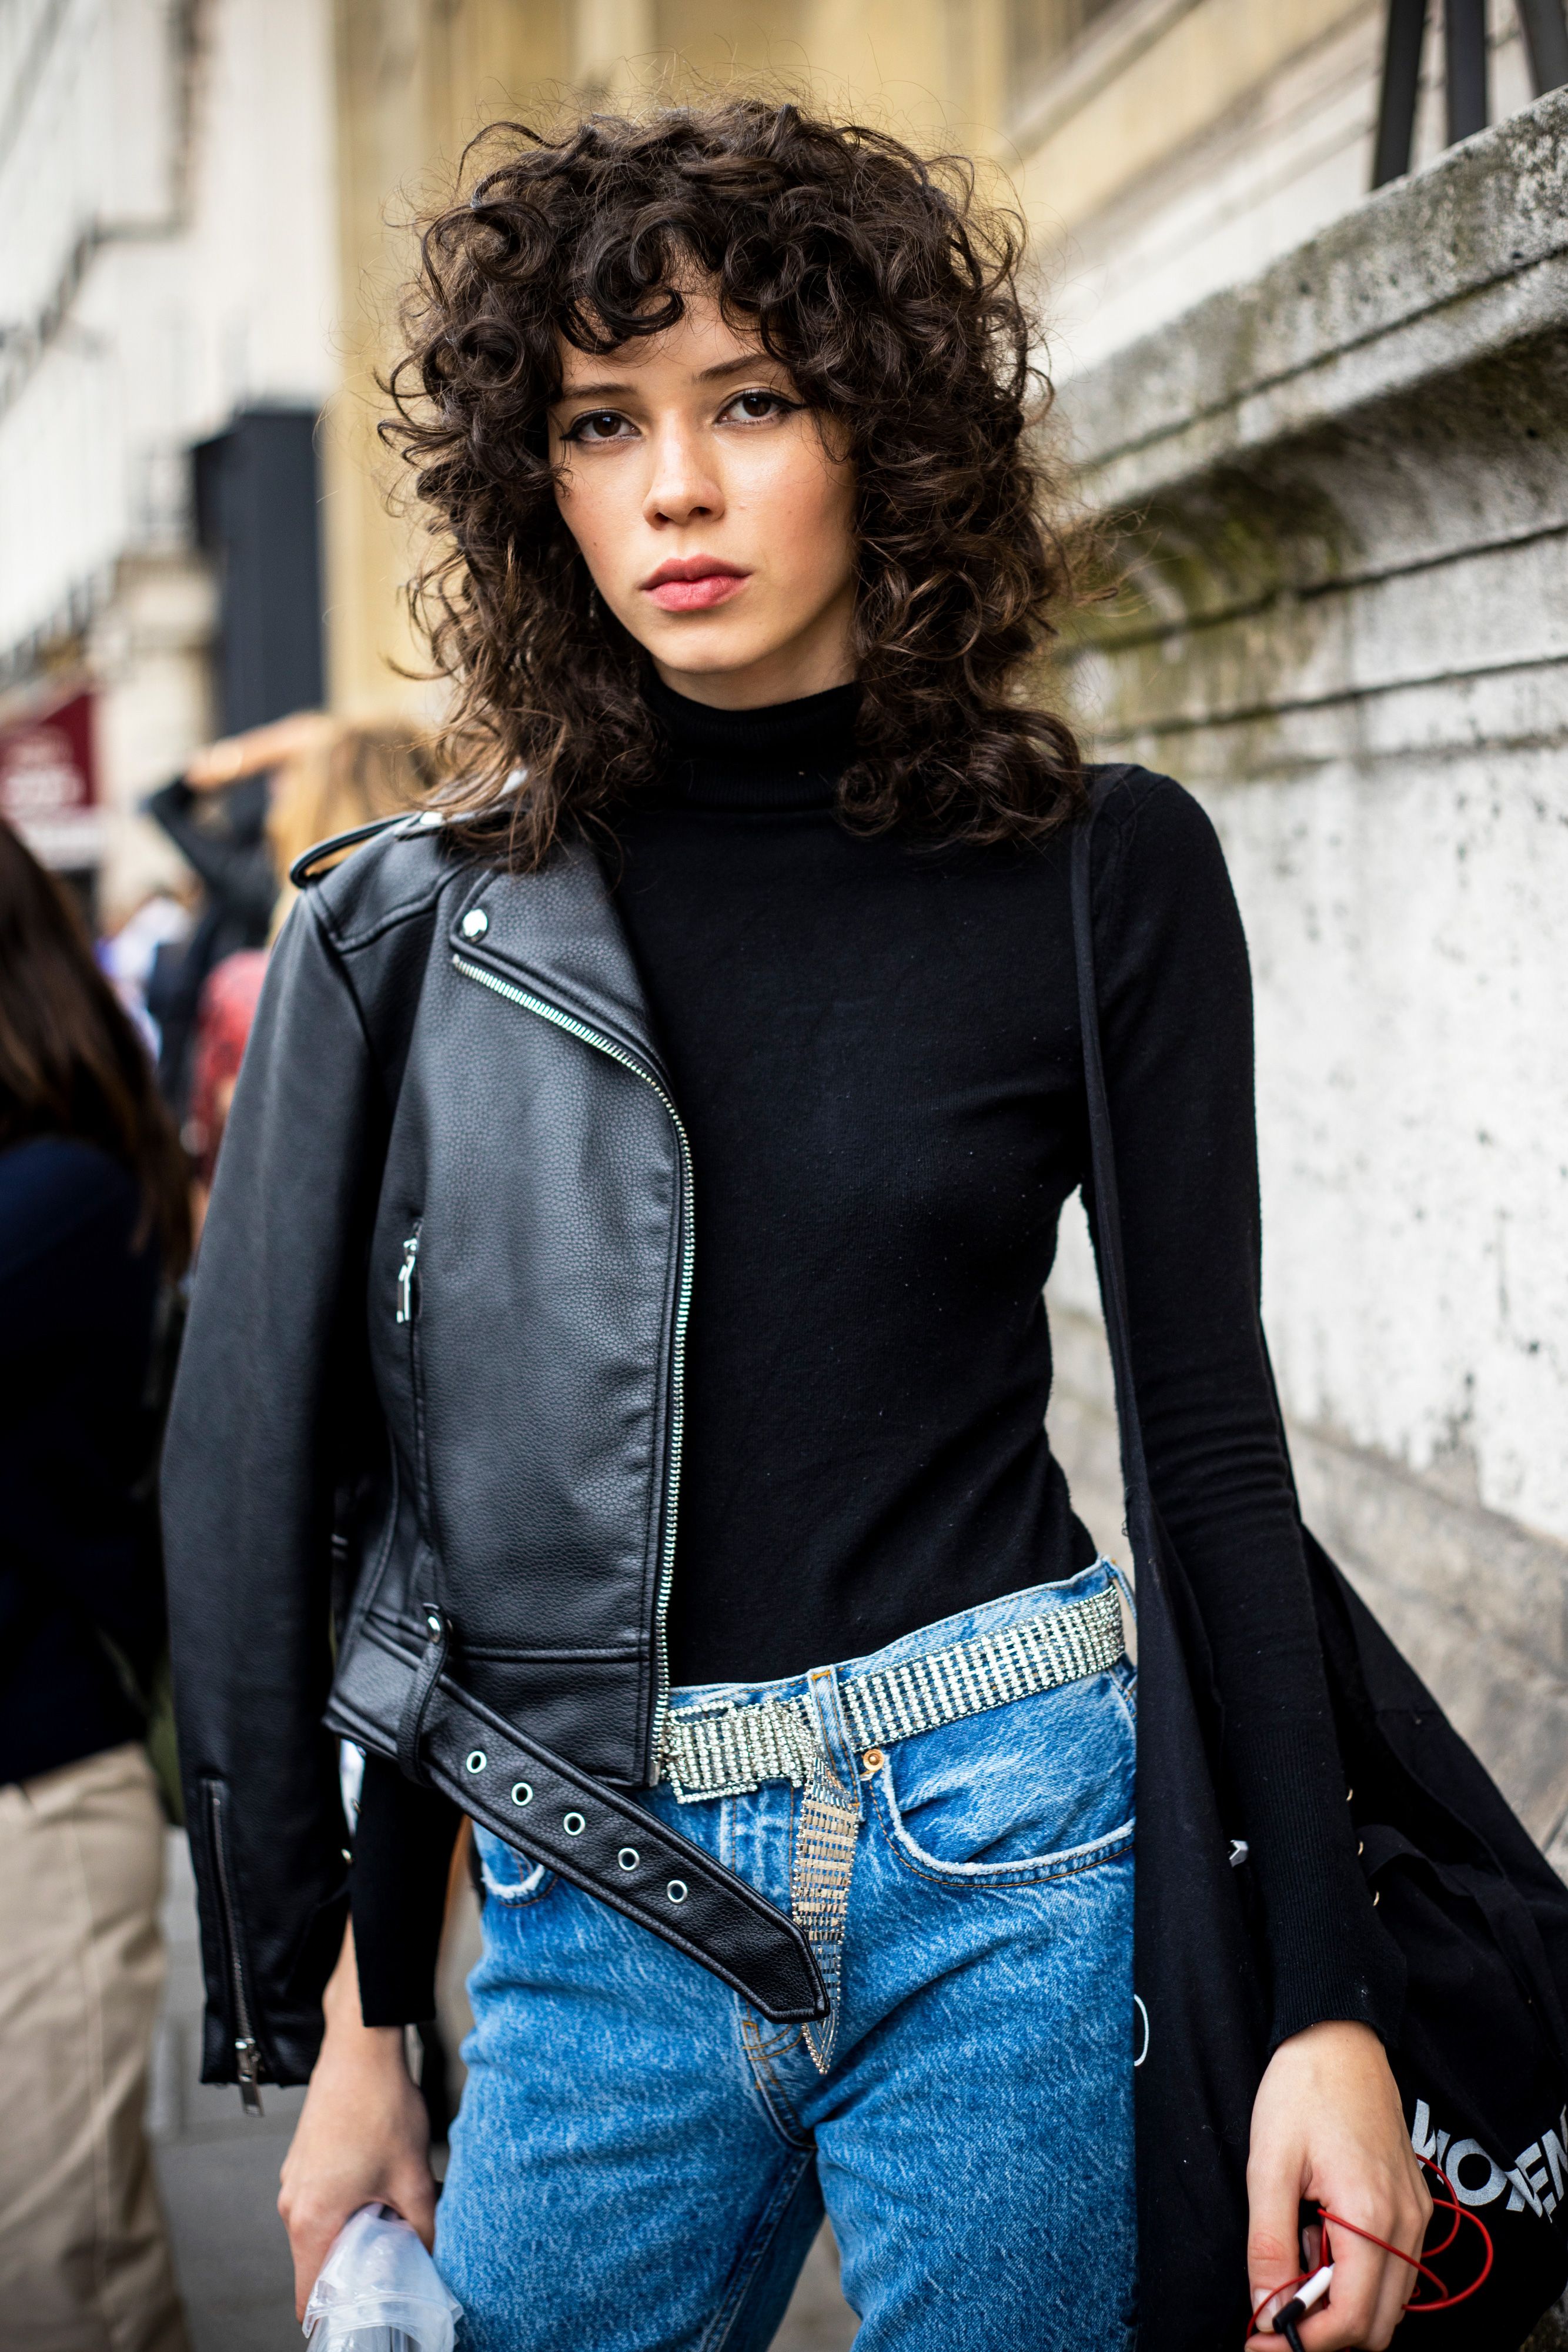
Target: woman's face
[(713, 514)]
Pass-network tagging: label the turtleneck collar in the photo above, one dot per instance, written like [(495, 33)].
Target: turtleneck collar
[(788, 756)]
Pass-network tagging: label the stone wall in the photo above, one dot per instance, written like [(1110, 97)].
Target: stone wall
[(1340, 495)]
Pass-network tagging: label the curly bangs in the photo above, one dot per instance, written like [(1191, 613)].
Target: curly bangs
[(891, 295)]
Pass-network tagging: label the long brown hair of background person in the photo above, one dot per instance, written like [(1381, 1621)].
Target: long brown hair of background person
[(71, 1062)]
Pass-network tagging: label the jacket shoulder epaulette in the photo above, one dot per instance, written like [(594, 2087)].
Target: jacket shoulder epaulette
[(314, 863)]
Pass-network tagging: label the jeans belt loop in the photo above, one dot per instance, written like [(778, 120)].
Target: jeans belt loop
[(834, 1737)]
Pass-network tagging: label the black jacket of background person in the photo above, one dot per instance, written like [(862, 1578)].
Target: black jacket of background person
[(222, 836), (77, 1550)]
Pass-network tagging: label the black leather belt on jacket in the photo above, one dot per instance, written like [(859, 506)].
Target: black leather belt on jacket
[(602, 1841)]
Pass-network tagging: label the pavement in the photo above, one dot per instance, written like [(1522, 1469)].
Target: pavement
[(218, 2172)]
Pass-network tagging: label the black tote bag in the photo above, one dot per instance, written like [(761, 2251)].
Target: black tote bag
[(1481, 1916)]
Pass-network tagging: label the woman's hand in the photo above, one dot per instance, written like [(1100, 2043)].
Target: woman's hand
[(1327, 2128), (363, 2137)]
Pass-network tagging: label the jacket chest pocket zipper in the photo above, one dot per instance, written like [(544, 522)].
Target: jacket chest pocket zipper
[(405, 1278), (247, 2050), (406, 1316)]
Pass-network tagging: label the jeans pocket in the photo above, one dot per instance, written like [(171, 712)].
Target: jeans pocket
[(509, 1877), (1036, 1790)]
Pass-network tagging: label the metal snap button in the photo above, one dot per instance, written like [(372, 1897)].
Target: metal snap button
[(521, 1793), (476, 923), (433, 1622), (676, 1890), (573, 1824), (475, 1761), (628, 1857), (873, 1760)]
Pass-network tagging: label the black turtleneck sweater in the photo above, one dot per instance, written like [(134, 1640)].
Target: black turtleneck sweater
[(875, 1047)]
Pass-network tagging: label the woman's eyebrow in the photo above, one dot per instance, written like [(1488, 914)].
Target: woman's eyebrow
[(746, 364), (593, 392)]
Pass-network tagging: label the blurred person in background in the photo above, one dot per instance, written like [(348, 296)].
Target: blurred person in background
[(316, 777), (222, 836), (129, 948), (94, 1226)]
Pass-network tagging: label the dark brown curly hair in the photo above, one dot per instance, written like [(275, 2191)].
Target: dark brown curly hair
[(892, 295)]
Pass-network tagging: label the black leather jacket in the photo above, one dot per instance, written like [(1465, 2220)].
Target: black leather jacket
[(429, 1411)]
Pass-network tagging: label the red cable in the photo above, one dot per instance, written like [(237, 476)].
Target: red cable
[(1442, 2299)]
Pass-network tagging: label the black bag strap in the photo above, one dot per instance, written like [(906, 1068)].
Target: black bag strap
[(1141, 1527)]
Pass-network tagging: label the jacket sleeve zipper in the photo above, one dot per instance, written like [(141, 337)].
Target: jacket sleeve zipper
[(247, 2050)]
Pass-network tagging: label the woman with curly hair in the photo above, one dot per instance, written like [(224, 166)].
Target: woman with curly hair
[(620, 1319)]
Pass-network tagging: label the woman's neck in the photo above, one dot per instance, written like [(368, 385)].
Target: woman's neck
[(789, 755)]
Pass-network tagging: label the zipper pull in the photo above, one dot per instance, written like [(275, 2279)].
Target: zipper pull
[(405, 1278), (249, 2058)]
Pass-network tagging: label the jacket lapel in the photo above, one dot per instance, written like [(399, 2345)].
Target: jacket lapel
[(557, 933)]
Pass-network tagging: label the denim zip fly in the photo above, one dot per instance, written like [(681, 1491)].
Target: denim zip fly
[(641, 2163)]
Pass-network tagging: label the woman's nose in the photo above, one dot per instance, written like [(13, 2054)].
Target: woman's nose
[(682, 486)]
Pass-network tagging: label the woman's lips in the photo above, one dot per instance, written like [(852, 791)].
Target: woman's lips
[(698, 595)]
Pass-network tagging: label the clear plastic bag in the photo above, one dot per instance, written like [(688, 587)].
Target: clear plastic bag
[(378, 2290)]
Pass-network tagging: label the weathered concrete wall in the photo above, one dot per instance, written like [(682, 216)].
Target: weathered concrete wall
[(1343, 499)]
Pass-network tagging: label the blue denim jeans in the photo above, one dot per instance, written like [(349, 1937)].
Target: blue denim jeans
[(641, 2163)]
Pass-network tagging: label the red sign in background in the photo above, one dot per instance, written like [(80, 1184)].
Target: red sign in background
[(48, 781)]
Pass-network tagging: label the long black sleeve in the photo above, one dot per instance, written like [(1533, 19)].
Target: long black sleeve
[(232, 856), (1177, 1016)]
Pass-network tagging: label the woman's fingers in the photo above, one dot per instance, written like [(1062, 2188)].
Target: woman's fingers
[(1274, 2179), (325, 2183), (312, 2224), (1356, 2299), (1410, 2210), (1371, 2284)]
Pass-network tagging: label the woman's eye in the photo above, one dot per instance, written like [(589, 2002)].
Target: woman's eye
[(600, 425), (755, 407)]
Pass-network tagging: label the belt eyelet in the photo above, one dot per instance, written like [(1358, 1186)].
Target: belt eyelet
[(628, 1857), (521, 1793), (475, 1761), (677, 1890), (573, 1824)]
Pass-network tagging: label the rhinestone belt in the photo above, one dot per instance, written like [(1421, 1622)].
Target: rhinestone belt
[(730, 1750)]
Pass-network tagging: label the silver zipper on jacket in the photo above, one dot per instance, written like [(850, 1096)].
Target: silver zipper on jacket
[(247, 2050), (575, 1028), (405, 1277)]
